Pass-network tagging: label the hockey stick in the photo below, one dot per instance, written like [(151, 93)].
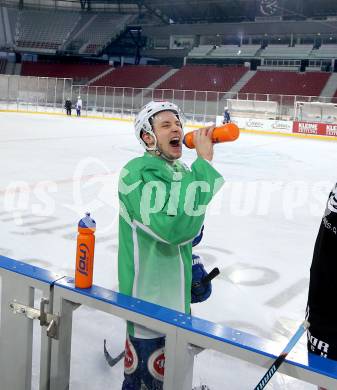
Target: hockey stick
[(215, 272), (112, 361), (281, 358)]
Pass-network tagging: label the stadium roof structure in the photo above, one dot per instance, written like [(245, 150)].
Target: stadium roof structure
[(187, 11), (200, 11), (182, 11), (177, 11)]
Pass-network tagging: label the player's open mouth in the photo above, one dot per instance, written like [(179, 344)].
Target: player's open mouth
[(175, 142)]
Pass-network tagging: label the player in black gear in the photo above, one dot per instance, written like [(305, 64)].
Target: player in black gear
[(68, 106), (321, 311)]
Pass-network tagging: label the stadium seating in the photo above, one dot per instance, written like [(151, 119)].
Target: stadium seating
[(101, 30), (200, 51), (45, 30), (78, 72), (286, 52), (204, 78), (234, 51), (140, 76), (324, 51), (286, 83), (249, 51), (74, 42), (49, 31), (92, 48)]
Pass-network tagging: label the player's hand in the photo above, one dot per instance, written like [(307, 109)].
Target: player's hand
[(203, 142), (199, 291)]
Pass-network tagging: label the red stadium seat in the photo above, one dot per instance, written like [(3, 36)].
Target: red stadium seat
[(134, 76), (204, 78), (74, 71), (286, 83)]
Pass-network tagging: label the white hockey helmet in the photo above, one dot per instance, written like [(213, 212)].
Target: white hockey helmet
[(142, 121)]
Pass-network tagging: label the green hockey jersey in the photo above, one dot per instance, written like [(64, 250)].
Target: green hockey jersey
[(162, 209)]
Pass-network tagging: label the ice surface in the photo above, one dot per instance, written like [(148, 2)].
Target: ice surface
[(260, 231)]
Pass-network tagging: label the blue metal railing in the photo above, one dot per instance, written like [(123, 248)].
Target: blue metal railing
[(182, 329)]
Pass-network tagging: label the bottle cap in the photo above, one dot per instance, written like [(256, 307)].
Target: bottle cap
[(87, 222)]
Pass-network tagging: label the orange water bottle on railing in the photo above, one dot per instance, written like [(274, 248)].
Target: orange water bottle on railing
[(85, 252)]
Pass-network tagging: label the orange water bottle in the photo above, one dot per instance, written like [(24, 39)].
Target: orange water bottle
[(224, 133), (85, 252)]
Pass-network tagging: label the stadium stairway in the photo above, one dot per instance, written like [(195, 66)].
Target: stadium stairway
[(87, 22), (330, 87), (2, 30), (17, 69), (10, 68), (101, 75), (8, 32), (3, 64), (240, 84), (82, 49), (164, 77)]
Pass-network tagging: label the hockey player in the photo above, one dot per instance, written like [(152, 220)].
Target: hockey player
[(162, 209), (78, 106), (226, 116), (322, 334), (68, 106)]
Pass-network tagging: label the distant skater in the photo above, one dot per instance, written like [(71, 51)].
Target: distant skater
[(78, 106), (226, 116), (68, 106)]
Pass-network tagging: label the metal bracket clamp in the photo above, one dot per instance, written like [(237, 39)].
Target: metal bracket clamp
[(194, 349), (49, 320)]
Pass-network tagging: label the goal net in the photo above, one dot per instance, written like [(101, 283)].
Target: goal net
[(316, 112), (253, 108)]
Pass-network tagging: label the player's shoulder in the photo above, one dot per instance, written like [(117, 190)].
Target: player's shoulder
[(132, 169), (138, 165), (150, 165), (134, 163), (146, 161)]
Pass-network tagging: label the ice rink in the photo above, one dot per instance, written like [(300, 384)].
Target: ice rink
[(260, 231)]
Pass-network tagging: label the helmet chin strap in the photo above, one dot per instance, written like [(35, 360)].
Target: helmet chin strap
[(163, 155), (157, 150)]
